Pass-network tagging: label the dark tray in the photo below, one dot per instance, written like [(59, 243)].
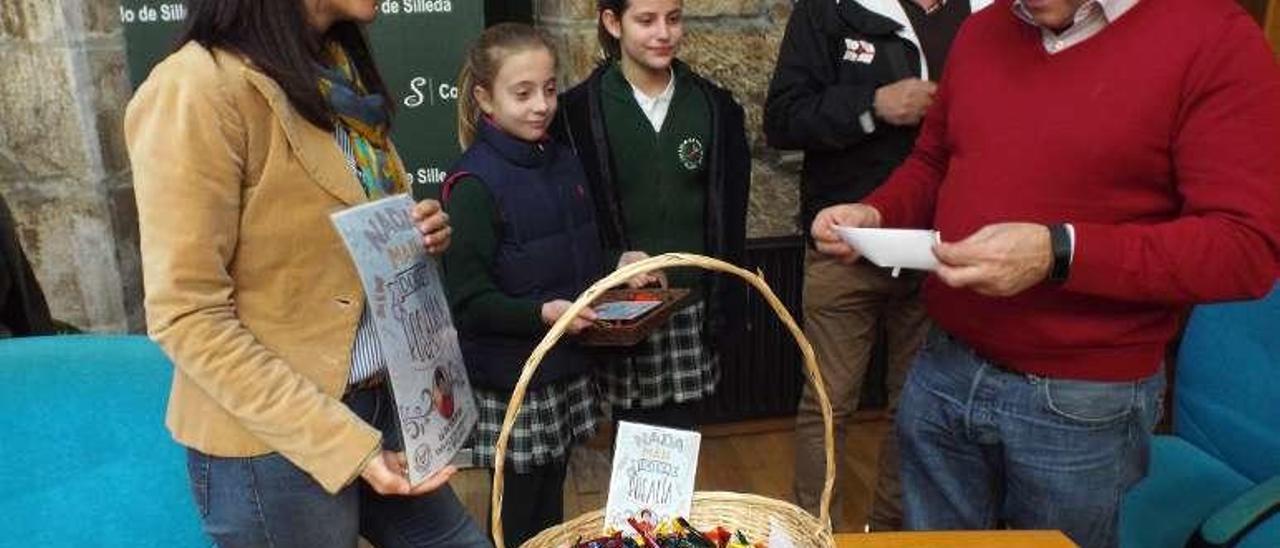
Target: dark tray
[(631, 332)]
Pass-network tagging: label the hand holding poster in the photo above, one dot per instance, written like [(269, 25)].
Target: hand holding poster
[(653, 474), (405, 299)]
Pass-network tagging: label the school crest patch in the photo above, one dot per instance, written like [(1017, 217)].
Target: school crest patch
[(691, 153)]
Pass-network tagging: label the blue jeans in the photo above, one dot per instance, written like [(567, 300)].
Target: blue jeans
[(984, 447), (266, 501)]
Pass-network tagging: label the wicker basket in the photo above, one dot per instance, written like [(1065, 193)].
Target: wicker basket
[(752, 514)]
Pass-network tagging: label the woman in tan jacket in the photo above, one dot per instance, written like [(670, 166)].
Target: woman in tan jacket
[(270, 117)]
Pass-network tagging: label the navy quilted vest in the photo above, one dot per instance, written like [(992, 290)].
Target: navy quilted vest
[(548, 247)]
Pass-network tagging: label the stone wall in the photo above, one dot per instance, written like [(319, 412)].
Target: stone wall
[(732, 42), (63, 166)]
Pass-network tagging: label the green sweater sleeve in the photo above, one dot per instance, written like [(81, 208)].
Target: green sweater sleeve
[(478, 305)]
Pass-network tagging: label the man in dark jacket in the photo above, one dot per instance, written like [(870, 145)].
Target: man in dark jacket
[(23, 310), (853, 81)]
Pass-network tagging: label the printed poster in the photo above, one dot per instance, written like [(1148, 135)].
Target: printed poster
[(405, 299)]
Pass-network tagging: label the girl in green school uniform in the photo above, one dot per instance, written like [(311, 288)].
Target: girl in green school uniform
[(666, 155)]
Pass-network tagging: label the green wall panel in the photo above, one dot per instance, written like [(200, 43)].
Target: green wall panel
[(418, 44)]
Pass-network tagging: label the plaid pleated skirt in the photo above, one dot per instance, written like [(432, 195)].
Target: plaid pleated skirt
[(672, 365), (551, 421)]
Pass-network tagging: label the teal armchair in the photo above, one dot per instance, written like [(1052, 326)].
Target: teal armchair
[(1216, 480), (87, 460)]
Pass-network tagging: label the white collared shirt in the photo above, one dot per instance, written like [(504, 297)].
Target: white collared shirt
[(655, 108), (367, 358), (1090, 19)]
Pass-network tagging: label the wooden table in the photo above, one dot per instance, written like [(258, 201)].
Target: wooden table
[(957, 539)]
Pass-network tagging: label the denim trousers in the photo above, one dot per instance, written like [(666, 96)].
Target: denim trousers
[(985, 447), (266, 501)]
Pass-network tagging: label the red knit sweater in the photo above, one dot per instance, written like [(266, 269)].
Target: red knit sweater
[(1158, 139)]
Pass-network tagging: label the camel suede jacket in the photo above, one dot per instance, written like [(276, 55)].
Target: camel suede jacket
[(249, 289)]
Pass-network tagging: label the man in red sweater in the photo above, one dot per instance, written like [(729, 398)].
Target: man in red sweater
[(1096, 167)]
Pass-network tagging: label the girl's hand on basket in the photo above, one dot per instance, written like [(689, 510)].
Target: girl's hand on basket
[(641, 280), (387, 476), (433, 223), (551, 312)]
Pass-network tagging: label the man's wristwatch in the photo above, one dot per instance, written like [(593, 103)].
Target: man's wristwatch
[(1060, 245)]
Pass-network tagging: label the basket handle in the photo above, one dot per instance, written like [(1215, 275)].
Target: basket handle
[(619, 276)]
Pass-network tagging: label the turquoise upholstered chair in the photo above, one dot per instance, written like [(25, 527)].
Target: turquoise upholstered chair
[(87, 460), (1216, 480)]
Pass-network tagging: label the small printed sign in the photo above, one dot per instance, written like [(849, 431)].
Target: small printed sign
[(653, 475)]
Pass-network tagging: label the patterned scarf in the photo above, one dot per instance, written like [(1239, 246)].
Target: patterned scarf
[(362, 116)]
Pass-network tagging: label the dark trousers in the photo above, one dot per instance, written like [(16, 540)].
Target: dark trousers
[(532, 502)]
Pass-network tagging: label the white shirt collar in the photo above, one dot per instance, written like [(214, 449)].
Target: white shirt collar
[(655, 108), (1111, 9)]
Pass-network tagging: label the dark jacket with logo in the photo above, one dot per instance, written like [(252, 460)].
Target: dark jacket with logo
[(580, 124), (548, 248), (834, 56)]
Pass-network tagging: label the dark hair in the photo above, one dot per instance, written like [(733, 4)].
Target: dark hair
[(274, 35), (482, 63), (609, 45)]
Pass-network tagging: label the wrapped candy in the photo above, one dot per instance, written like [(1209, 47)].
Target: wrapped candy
[(739, 540), (615, 540), (676, 533)]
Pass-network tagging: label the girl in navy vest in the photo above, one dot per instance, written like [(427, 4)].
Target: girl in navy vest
[(524, 245)]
